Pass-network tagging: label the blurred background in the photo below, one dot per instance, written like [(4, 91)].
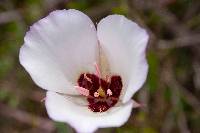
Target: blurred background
[(171, 93)]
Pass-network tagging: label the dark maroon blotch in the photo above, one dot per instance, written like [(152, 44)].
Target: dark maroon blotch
[(101, 104)]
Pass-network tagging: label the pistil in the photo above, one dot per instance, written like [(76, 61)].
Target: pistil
[(101, 92)]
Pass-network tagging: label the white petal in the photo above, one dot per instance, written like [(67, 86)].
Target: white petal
[(81, 118), (58, 48), (124, 44)]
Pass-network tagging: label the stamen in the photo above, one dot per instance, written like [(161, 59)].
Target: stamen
[(101, 92), (82, 91), (109, 92), (96, 94), (98, 73), (86, 77)]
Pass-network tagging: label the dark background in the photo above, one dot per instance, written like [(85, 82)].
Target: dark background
[(171, 93)]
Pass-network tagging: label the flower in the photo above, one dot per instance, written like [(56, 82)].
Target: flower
[(90, 76)]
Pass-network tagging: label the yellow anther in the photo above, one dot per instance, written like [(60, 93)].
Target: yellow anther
[(101, 92)]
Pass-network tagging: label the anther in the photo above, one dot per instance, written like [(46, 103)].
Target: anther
[(109, 92), (96, 94)]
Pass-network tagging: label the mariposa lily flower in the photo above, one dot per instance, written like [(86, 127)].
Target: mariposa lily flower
[(90, 75)]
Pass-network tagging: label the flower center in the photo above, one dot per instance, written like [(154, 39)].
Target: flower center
[(101, 94)]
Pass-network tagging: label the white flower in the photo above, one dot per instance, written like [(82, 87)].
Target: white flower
[(59, 53)]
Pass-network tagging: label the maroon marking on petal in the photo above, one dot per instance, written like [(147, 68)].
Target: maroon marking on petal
[(101, 103)]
